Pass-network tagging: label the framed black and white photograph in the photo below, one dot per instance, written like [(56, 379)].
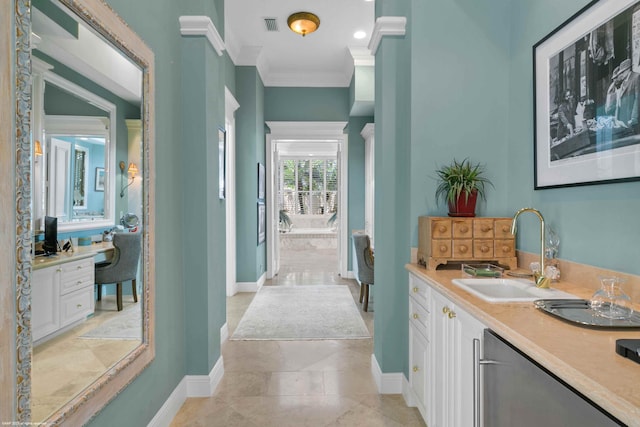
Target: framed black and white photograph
[(262, 222), (261, 182), (587, 97), (99, 179), (222, 162)]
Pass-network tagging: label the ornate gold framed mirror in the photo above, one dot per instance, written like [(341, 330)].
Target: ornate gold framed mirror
[(21, 125)]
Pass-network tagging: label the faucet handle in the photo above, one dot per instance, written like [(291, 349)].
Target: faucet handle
[(541, 280)]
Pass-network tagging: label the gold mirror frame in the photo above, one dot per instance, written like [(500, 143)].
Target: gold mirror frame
[(15, 211)]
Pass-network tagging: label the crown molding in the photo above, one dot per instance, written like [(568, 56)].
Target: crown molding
[(386, 26), (368, 130), (314, 129), (202, 26)]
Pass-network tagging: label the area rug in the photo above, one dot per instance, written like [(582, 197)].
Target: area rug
[(126, 325), (301, 313)]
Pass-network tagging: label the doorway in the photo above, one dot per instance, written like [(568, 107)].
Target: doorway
[(306, 164)]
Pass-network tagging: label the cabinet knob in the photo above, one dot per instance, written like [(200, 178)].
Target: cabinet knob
[(485, 228), (446, 309), (506, 229), (464, 229), (415, 290), (442, 229), (452, 314), (443, 248), (463, 249), (416, 369), (78, 305), (506, 249), (484, 248), (415, 315)]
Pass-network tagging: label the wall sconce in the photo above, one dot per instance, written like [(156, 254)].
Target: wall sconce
[(132, 170), (37, 150), (303, 23)]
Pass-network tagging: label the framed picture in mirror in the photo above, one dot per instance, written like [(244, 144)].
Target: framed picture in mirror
[(222, 160), (99, 179)]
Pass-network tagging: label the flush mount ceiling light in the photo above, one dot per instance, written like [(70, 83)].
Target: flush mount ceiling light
[(303, 23)]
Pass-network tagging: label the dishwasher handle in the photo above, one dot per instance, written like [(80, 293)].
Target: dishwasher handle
[(477, 362)]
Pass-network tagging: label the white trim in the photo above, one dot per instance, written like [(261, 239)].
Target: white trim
[(205, 385), (231, 105), (368, 130), (171, 406), (224, 333), (189, 386), (408, 394), (386, 26), (362, 57), (305, 132), (202, 26), (252, 286), (391, 383)]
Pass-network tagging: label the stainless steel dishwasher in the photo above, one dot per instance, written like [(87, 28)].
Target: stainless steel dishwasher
[(518, 392)]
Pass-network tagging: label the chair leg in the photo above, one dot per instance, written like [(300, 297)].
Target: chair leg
[(119, 295), (134, 290), (366, 296), (361, 292), (99, 292)]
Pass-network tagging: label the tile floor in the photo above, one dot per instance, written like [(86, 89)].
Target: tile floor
[(63, 366), (297, 383)]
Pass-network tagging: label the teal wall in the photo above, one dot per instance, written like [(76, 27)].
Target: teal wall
[(298, 104), (250, 143), (597, 223), (140, 401)]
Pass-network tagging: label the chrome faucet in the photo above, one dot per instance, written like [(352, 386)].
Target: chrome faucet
[(538, 276)]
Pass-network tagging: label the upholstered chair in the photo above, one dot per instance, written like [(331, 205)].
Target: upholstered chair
[(122, 266), (364, 265)]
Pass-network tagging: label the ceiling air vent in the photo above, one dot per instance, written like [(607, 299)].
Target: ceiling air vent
[(271, 24)]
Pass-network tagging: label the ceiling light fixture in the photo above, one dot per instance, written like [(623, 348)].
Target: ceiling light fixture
[(303, 23)]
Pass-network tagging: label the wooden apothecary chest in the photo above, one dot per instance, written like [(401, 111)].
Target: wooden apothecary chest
[(458, 239)]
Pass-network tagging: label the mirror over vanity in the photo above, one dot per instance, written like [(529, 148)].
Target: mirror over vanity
[(83, 84)]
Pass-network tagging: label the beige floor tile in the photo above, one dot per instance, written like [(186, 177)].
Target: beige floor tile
[(298, 383)]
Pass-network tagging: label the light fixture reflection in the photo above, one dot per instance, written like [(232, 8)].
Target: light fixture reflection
[(359, 35), (132, 170)]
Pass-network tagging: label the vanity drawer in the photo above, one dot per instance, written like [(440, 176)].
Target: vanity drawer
[(76, 306), (483, 228), (419, 317), (441, 229), (483, 249), (419, 291), (76, 275)]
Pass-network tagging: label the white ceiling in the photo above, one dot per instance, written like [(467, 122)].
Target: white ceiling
[(324, 58)]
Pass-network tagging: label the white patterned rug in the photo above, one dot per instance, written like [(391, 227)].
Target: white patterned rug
[(325, 312), (126, 325)]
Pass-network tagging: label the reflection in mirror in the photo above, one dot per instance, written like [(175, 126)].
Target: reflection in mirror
[(92, 109)]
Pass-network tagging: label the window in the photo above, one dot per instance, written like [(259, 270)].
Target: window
[(308, 186)]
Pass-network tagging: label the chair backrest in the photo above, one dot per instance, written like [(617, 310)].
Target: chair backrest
[(363, 262), (124, 266)]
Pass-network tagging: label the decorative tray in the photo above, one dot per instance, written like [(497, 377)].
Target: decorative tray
[(579, 311)]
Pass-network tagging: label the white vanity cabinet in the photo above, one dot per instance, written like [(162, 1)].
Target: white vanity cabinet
[(61, 295), (446, 381)]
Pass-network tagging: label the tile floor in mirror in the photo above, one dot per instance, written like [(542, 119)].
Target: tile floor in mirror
[(298, 383), (66, 364)]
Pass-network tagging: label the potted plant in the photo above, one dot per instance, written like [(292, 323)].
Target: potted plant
[(460, 184)]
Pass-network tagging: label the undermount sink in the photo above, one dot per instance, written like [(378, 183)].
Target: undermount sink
[(508, 290)]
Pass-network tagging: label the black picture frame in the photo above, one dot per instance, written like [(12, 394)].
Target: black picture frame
[(262, 222), (99, 180), (580, 137), (261, 182), (222, 163)]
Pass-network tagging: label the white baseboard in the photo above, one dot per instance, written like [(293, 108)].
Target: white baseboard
[(387, 383), (408, 394), (224, 333), (252, 286), (190, 386), (171, 406), (350, 275)]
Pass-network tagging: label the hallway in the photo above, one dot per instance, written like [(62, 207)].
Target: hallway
[(297, 383)]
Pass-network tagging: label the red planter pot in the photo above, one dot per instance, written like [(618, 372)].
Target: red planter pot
[(464, 206)]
